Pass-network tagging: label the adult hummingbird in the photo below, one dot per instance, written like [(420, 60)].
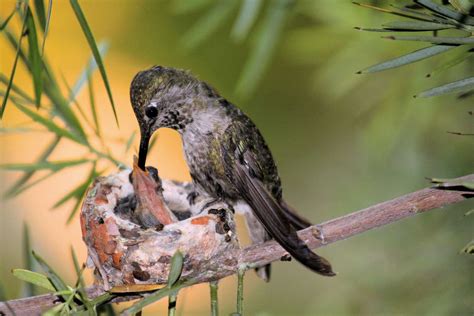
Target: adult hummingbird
[(226, 154)]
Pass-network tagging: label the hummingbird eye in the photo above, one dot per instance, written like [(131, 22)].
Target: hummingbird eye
[(151, 112)]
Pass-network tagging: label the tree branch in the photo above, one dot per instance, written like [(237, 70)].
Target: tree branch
[(316, 236)]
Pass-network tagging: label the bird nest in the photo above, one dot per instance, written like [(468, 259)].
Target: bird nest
[(133, 225)]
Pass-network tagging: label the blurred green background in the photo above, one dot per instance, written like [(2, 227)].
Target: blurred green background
[(341, 141)]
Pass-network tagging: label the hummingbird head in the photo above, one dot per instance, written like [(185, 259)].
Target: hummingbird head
[(166, 97)]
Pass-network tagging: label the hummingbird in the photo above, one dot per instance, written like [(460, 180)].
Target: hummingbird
[(227, 156)]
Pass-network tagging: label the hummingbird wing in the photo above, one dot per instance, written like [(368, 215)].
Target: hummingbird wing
[(272, 216)]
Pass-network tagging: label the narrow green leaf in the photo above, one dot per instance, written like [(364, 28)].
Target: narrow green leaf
[(414, 26), (156, 296), (40, 13), (72, 99), (370, 29), (262, 52), (408, 58), (153, 142), (31, 184), (80, 284), (16, 45), (34, 278), (45, 165), (457, 86), (55, 279), (130, 141), (395, 12), (50, 125), (5, 23), (446, 183), (99, 300), (57, 310), (28, 258), (92, 44), (176, 268), (76, 193), (63, 110), (207, 24), (34, 57), (444, 11), (95, 117), (46, 29), (15, 62), (81, 191), (90, 67), (17, 186), (77, 268), (451, 63), (247, 16), (16, 89), (434, 39)]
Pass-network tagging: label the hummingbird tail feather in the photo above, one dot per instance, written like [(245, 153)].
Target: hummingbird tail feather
[(272, 216), (298, 221)]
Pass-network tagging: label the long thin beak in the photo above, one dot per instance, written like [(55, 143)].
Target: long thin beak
[(143, 151)]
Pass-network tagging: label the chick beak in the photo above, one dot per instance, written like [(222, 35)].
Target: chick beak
[(143, 151)]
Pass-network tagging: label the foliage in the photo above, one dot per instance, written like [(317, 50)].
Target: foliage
[(59, 117), (425, 16)]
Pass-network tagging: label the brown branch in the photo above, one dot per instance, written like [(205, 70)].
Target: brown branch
[(316, 236)]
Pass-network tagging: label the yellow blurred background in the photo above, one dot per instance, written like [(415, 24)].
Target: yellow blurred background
[(342, 142)]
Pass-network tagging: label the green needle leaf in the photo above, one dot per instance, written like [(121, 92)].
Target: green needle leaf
[(130, 141), (150, 299), (446, 183), (55, 279), (457, 86), (247, 17), (176, 268), (404, 14), (45, 165), (18, 53), (34, 278), (444, 11), (46, 29), (207, 24), (30, 289), (34, 57), (414, 26), (16, 89), (408, 58), (50, 125), (434, 39), (451, 63), (5, 23), (261, 54), (40, 13), (18, 186), (95, 52)]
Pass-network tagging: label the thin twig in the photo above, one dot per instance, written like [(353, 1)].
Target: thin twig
[(315, 236)]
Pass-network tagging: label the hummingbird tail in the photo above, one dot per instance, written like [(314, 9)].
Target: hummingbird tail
[(273, 217)]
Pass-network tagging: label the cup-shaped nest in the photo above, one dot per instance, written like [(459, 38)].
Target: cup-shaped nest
[(128, 255)]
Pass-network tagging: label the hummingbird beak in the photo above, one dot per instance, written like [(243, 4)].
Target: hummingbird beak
[(143, 151)]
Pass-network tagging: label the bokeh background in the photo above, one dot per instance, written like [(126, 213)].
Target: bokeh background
[(341, 141)]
